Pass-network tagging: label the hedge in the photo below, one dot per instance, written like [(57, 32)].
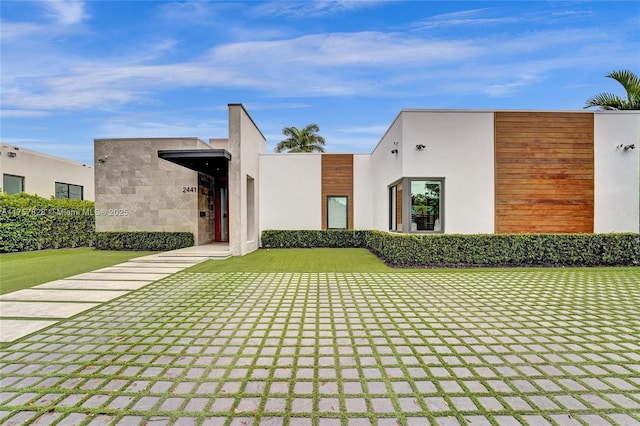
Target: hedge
[(29, 222), (313, 238), (151, 241), (454, 250)]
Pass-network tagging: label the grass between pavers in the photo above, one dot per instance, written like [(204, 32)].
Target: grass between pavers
[(24, 270), (497, 347)]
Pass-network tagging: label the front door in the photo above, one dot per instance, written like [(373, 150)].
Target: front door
[(221, 210)]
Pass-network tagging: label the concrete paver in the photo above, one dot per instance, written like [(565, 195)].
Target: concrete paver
[(130, 276), (466, 348), (63, 296), (60, 298), (42, 309), (13, 329), (94, 285)]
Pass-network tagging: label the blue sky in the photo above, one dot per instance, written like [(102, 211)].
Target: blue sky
[(73, 71)]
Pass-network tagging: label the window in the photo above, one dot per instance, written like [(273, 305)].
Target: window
[(337, 212), (416, 205), (395, 207), (426, 205), (12, 184), (67, 190)]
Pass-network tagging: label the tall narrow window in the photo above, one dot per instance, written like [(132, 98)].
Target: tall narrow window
[(251, 209), (426, 205), (12, 184), (337, 216), (395, 207), (67, 190)]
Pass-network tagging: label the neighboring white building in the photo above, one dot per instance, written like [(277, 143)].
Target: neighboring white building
[(433, 171), (24, 170)]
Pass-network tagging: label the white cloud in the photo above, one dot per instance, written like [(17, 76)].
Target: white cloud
[(17, 30), (20, 113), (134, 127), (473, 17), (307, 9), (65, 12), (332, 64)]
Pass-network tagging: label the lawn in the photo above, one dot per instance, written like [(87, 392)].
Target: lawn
[(24, 270), (298, 260)]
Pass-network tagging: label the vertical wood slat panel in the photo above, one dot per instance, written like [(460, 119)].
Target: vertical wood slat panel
[(337, 179), (544, 165)]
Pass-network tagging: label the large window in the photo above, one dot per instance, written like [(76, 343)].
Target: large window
[(12, 184), (337, 217), (417, 208), (426, 205), (67, 190)]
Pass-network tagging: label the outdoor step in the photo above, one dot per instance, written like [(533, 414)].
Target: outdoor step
[(157, 259)]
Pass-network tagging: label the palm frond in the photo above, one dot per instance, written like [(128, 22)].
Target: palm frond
[(607, 101), (301, 140)]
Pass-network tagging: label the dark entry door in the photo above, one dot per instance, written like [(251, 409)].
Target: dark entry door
[(221, 213)]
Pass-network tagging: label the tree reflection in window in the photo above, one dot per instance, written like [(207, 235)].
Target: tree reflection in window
[(425, 205)]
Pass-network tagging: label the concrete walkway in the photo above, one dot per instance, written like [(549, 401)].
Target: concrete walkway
[(26, 311)]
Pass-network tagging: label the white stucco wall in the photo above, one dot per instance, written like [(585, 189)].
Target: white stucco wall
[(41, 171), (616, 171), (362, 192), (290, 188), (386, 169), (460, 149), (246, 143)]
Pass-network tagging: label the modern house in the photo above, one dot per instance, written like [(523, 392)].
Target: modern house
[(24, 170), (433, 171)]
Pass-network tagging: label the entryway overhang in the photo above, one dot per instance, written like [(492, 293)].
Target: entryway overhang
[(212, 162)]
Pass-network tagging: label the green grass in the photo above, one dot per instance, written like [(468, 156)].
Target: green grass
[(23, 270), (334, 260), (298, 260)]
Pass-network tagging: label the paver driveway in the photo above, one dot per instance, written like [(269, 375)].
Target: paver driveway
[(477, 347)]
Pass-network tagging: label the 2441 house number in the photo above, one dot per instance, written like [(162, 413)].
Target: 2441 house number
[(189, 189)]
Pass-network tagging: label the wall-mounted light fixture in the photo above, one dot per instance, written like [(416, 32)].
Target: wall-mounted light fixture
[(11, 154), (102, 159), (394, 151), (420, 147), (628, 147)]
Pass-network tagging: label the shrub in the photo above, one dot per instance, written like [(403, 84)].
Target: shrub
[(29, 222), (414, 250), (151, 241), (312, 238)]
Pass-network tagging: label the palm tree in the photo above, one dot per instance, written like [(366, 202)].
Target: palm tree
[(305, 140), (631, 84)]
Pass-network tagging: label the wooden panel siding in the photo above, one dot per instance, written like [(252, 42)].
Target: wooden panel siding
[(337, 179), (544, 172)]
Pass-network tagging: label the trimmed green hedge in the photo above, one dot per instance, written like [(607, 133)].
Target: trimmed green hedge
[(455, 250), (150, 241), (313, 238), (29, 222)]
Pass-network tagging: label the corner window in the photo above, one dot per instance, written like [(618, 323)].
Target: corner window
[(337, 212), (426, 205), (67, 190), (12, 184)]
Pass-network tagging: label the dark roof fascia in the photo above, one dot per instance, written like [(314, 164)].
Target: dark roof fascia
[(194, 153)]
